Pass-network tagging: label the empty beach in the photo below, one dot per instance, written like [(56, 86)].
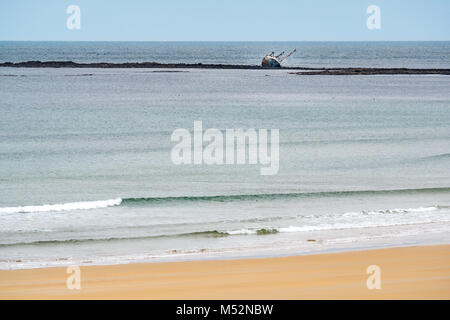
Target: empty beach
[(406, 273)]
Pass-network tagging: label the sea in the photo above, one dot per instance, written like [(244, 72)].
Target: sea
[(87, 178)]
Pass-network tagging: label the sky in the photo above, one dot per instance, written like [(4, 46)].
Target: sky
[(231, 20)]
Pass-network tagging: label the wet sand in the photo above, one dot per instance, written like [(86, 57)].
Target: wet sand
[(406, 273)]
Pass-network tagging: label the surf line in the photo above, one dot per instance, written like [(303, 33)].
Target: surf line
[(235, 147)]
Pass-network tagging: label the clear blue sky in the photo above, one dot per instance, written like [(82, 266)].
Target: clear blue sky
[(218, 20)]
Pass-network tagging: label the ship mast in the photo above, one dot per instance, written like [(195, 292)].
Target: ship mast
[(284, 58)]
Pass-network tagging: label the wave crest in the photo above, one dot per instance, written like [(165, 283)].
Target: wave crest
[(85, 205), (217, 198)]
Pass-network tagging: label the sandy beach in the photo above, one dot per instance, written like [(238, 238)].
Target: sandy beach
[(225, 153), (406, 273)]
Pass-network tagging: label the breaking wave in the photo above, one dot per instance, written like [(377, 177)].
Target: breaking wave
[(85, 205), (275, 196), (271, 230)]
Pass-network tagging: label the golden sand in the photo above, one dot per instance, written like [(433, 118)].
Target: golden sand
[(406, 273)]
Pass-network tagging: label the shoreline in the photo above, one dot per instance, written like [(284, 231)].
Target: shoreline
[(220, 256), (417, 272), (156, 65)]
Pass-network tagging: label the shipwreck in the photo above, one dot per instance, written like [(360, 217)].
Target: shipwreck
[(274, 61)]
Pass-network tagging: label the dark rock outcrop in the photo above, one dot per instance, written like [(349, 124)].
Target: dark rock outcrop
[(373, 71), (307, 71)]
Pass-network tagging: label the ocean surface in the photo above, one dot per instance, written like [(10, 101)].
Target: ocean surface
[(86, 175), (309, 54)]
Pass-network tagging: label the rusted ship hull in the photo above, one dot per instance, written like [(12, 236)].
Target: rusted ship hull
[(270, 62)]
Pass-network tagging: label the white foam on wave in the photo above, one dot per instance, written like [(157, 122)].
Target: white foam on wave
[(241, 231), (423, 209), (392, 211), (85, 205), (417, 218)]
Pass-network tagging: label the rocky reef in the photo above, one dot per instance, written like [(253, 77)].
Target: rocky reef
[(155, 65)]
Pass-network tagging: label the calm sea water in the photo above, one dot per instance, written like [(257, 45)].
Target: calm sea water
[(364, 160), (309, 54)]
